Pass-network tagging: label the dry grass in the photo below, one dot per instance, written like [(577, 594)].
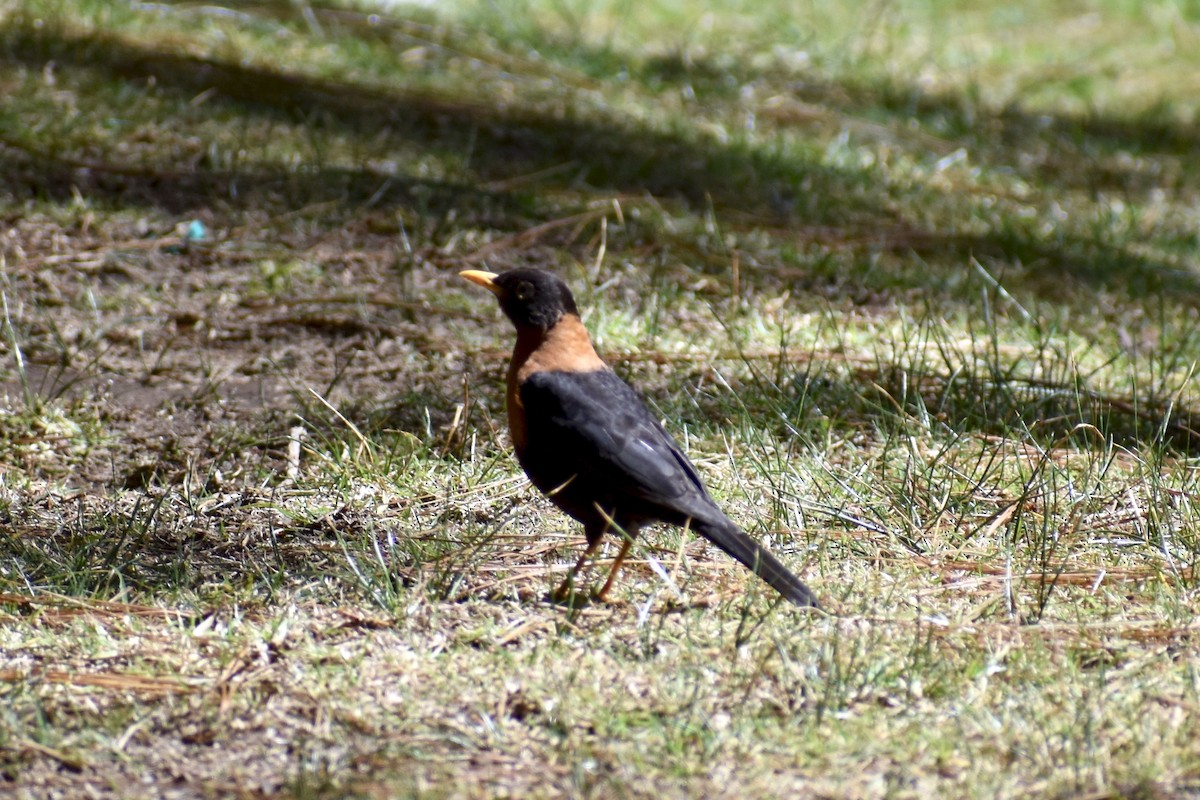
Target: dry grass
[(927, 328)]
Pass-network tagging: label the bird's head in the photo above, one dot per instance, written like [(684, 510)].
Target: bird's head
[(532, 298)]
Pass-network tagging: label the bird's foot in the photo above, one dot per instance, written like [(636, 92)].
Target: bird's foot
[(567, 596)]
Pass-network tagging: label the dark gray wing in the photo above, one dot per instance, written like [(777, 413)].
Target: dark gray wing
[(594, 426)]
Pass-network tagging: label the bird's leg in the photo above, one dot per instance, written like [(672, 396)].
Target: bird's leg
[(564, 591), (628, 533), (616, 567)]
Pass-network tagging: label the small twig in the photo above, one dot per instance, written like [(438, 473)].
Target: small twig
[(995, 284), (295, 436)]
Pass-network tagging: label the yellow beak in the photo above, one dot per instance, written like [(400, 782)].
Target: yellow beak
[(485, 279)]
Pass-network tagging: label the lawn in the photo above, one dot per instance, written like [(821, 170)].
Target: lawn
[(915, 284)]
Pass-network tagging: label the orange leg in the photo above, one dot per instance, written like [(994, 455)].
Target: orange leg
[(564, 591), (616, 567)]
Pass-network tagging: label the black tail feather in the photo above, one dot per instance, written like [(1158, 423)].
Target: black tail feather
[(727, 536)]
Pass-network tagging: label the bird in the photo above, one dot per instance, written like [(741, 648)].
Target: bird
[(587, 440)]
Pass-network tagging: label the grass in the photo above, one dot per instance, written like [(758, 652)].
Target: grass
[(914, 283)]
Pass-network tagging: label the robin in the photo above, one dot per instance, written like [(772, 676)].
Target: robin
[(587, 440)]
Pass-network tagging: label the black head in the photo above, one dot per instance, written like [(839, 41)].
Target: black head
[(532, 298)]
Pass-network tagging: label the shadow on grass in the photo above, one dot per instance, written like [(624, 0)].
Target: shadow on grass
[(32, 175), (772, 190), (505, 140), (234, 547), (806, 401)]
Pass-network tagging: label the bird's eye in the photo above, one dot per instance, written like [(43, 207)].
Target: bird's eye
[(525, 290)]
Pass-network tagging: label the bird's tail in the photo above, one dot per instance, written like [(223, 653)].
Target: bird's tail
[(730, 538)]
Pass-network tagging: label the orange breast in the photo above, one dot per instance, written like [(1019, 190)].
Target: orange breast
[(516, 413), (564, 348)]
